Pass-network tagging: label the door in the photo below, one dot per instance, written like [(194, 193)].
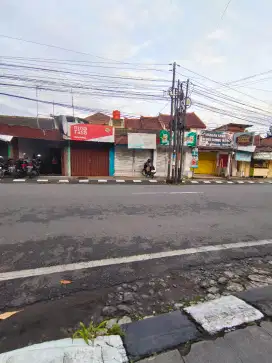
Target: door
[(89, 162), (206, 163)]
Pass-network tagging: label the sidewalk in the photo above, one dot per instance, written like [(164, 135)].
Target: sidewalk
[(249, 345), (230, 329)]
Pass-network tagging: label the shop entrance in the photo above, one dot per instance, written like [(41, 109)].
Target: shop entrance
[(90, 161)]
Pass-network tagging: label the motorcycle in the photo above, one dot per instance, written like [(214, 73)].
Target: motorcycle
[(34, 166), (2, 167), (21, 167), (149, 173)]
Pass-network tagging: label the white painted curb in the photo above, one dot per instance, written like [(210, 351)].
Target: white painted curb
[(223, 313)]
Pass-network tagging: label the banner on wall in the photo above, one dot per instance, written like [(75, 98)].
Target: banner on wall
[(87, 132), (141, 141), (194, 162), (215, 139)]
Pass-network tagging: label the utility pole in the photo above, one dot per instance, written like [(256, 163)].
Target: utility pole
[(37, 107), (177, 131), (73, 103), (170, 151), (183, 125)]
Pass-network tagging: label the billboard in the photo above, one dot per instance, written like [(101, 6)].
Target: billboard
[(87, 132), (141, 141), (189, 138), (219, 139)]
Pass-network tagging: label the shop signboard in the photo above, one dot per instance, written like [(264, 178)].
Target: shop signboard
[(87, 132), (243, 156), (141, 141), (220, 139), (189, 138), (164, 137), (194, 162), (243, 141), (263, 156)]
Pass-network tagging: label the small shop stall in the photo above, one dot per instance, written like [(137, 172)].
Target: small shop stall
[(260, 165)]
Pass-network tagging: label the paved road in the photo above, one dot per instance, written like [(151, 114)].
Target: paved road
[(48, 225)]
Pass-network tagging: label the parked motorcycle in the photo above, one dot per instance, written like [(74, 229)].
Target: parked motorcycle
[(34, 166), (2, 167)]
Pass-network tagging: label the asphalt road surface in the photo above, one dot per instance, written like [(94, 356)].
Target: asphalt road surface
[(56, 225)]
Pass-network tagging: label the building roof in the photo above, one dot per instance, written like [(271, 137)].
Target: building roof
[(267, 141), (41, 123), (98, 118), (192, 121), (232, 126), (30, 132)]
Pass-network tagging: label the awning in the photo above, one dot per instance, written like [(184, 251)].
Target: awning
[(6, 138)]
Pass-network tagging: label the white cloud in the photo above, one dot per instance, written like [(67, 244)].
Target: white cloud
[(217, 34)]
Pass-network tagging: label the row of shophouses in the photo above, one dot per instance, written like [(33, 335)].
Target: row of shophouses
[(101, 145)]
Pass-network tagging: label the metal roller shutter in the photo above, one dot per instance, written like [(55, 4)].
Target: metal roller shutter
[(140, 157), (123, 161)]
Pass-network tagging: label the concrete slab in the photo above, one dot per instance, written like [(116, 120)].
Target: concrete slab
[(106, 349), (170, 357), (267, 326), (252, 344), (217, 351), (261, 298), (222, 313), (154, 335)]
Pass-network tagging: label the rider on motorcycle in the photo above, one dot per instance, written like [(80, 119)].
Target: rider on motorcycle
[(148, 167)]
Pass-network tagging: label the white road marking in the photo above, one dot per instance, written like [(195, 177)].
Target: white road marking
[(229, 182), (206, 182), (19, 180), (251, 182), (63, 181), (153, 181), (240, 182), (83, 181), (261, 182), (194, 182), (120, 181), (154, 193), (102, 181), (137, 181), (127, 259), (42, 180), (218, 181)]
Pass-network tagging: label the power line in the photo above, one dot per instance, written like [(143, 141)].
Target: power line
[(62, 48), (226, 8)]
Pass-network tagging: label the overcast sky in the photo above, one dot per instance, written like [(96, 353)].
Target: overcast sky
[(155, 32)]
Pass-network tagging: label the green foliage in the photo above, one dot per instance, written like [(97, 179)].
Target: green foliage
[(93, 331)]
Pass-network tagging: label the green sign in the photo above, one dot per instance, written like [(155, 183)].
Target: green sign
[(190, 139), (164, 137)]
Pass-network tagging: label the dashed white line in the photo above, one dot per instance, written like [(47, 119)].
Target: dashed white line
[(230, 182), (137, 181), (206, 182), (250, 182), (194, 182), (102, 181), (219, 182), (154, 193), (63, 181), (120, 181), (42, 180), (240, 182), (153, 181), (84, 181), (127, 259), (19, 180)]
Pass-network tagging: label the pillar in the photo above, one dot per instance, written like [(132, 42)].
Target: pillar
[(111, 161)]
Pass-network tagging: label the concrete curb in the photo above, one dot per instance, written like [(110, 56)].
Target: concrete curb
[(120, 181), (165, 332), (101, 181)]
